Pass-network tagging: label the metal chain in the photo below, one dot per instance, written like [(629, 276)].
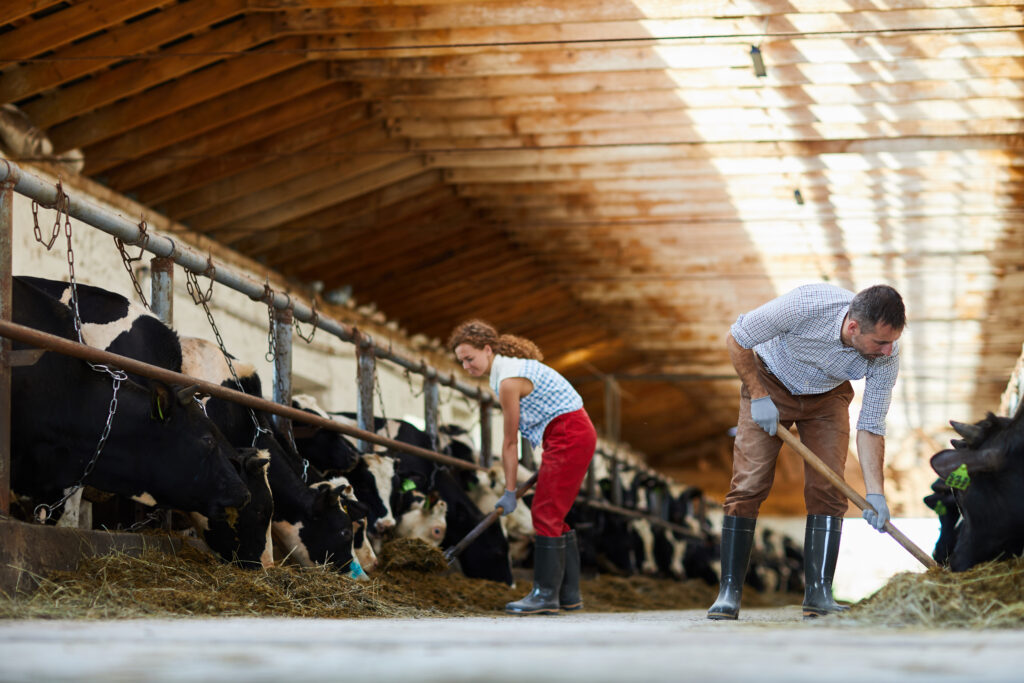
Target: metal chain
[(43, 512), (61, 205), (143, 241), (412, 389), (151, 517), (380, 402), (192, 284), (312, 333), (268, 298)]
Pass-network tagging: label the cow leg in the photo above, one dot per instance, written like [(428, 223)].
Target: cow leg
[(821, 550)]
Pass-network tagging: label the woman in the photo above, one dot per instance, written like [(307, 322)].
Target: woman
[(540, 403)]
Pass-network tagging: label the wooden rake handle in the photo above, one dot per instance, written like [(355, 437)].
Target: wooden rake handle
[(456, 550), (837, 481)]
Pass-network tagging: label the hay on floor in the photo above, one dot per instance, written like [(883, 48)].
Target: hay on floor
[(990, 595), (413, 580)]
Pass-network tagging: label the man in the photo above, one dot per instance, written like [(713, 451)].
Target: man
[(796, 356)]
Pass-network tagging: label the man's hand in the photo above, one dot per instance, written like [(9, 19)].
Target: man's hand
[(765, 414), (507, 503), (880, 514)]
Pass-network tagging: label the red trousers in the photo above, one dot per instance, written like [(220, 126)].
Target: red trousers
[(569, 443)]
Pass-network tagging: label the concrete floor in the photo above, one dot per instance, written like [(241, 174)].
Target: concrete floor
[(766, 645)]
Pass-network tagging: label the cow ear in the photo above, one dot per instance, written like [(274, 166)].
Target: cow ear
[(160, 401), (186, 394), (984, 460), (256, 464)]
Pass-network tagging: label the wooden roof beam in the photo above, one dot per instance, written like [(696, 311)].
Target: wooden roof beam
[(502, 17), (60, 28), (395, 204), (308, 177), (241, 144), (482, 105), (304, 196), (13, 11), (206, 116), (324, 156), (176, 95), (693, 134), (142, 36)]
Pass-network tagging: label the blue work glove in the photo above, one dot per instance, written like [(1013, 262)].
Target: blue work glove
[(507, 503), (765, 414), (880, 514)]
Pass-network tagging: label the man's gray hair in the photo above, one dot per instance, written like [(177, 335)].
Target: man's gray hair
[(878, 304)]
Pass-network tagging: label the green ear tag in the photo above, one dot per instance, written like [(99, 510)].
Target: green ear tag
[(408, 485), (940, 508), (958, 478)]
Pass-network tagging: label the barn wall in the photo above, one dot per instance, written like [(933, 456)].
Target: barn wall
[(326, 368)]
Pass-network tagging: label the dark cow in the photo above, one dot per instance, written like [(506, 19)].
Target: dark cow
[(943, 502), (309, 518), (485, 558), (161, 449), (985, 469), (111, 322), (328, 450)]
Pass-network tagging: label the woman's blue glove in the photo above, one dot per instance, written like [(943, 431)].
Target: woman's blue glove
[(880, 514), (765, 414), (507, 503)]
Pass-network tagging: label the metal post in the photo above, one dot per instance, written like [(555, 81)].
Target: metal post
[(485, 433), (161, 300), (6, 310), (161, 287), (616, 483), (431, 400), (283, 365), (366, 369)]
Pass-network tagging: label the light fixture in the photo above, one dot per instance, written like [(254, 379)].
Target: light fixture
[(755, 56), (798, 196)]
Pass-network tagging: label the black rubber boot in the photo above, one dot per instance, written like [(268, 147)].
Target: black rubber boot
[(548, 570), (569, 597), (737, 540), (821, 549)]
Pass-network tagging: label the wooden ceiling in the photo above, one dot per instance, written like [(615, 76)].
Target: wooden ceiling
[(608, 177)]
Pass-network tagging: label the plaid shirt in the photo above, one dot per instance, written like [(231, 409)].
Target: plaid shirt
[(552, 394), (797, 336)]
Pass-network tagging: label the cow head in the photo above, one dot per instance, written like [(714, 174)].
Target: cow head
[(985, 470), (244, 538), (425, 519)]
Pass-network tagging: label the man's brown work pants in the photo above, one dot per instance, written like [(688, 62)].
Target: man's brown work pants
[(823, 421)]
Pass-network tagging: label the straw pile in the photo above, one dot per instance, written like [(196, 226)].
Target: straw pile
[(412, 581), (990, 595)]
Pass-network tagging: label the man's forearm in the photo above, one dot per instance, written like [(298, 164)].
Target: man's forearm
[(871, 451), (745, 363)]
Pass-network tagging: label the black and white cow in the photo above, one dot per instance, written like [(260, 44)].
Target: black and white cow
[(112, 322), (985, 470), (943, 502), (488, 556), (162, 450), (309, 517)]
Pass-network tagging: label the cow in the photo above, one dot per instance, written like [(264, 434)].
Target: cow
[(488, 556), (327, 449), (943, 502), (112, 322), (424, 519), (309, 519), (985, 469), (161, 450)]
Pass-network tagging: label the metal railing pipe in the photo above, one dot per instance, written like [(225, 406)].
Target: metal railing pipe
[(128, 232), (42, 340)]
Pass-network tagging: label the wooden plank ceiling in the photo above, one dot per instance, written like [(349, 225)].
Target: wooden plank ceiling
[(608, 177)]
